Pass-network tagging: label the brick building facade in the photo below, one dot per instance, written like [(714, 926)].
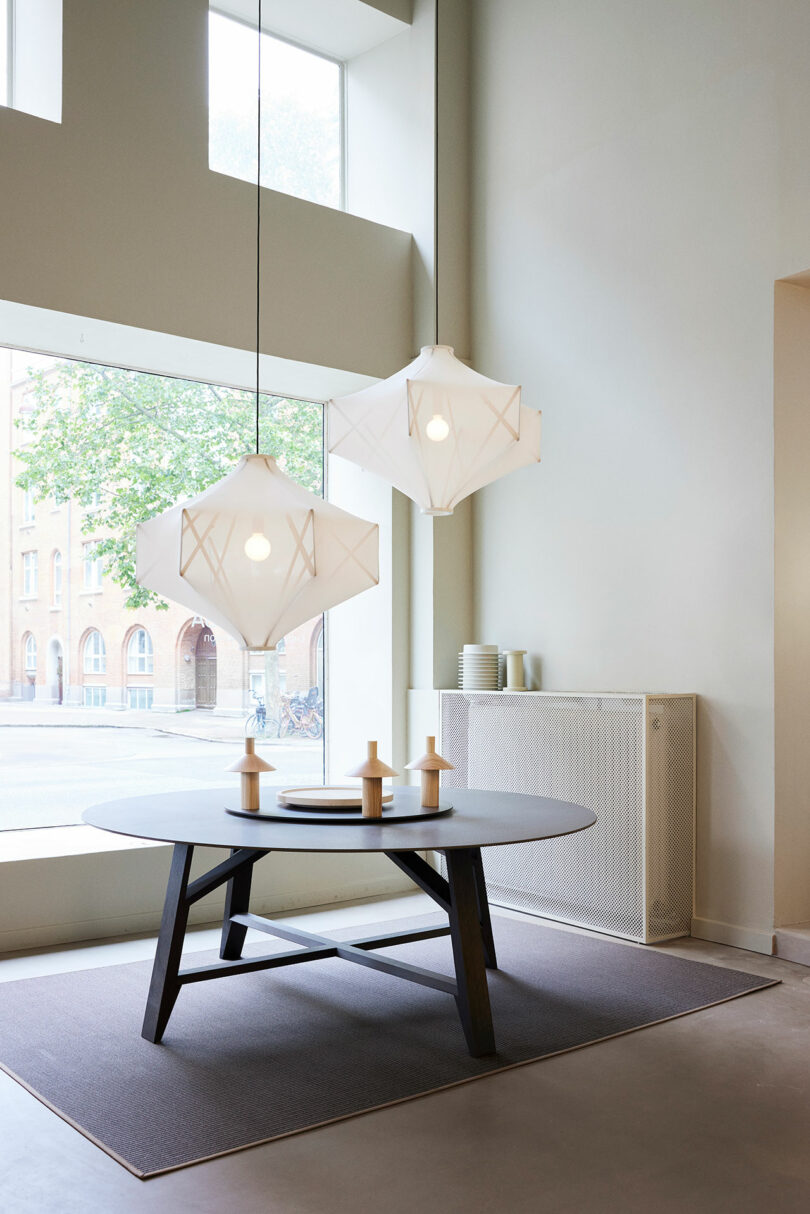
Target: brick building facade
[(70, 638)]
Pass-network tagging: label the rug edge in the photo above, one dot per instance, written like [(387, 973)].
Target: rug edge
[(762, 984)]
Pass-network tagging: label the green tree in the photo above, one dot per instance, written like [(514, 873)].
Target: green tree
[(126, 445)]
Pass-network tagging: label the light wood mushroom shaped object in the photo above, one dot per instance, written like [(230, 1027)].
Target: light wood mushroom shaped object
[(371, 773), (430, 765), (250, 765)]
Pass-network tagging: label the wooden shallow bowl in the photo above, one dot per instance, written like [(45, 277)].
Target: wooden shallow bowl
[(329, 797)]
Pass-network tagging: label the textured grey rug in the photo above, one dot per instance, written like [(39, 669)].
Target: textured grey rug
[(258, 1056)]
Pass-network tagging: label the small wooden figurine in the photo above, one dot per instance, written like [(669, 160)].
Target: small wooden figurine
[(250, 765), (430, 765), (372, 772)]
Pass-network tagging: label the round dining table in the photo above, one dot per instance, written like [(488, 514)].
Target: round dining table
[(476, 819)]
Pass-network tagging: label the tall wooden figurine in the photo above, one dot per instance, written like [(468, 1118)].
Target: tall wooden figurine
[(250, 765), (372, 772), (430, 765)]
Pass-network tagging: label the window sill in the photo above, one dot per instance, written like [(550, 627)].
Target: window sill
[(87, 593), (28, 526), (55, 607), (28, 598), (47, 842)]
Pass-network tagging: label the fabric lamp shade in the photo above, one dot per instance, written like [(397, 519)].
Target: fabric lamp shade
[(257, 554), (437, 430)]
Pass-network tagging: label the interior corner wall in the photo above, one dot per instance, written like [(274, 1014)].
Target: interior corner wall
[(640, 180), (792, 602)]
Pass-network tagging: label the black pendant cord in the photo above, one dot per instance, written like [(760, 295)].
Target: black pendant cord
[(258, 217), (436, 174)]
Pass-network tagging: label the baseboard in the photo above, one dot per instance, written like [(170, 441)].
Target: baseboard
[(793, 943), (143, 923), (757, 940)]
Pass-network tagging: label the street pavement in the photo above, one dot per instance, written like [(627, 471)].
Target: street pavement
[(52, 772)]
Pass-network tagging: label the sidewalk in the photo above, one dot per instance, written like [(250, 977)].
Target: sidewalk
[(205, 724)]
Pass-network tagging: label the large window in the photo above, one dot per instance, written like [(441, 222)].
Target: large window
[(140, 656), (30, 584), (301, 112), (127, 648), (95, 654)]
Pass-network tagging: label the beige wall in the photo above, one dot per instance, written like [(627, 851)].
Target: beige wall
[(642, 175), (792, 602), (114, 214)]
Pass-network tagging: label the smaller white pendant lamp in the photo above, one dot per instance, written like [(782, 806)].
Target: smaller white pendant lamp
[(437, 430), (257, 554)]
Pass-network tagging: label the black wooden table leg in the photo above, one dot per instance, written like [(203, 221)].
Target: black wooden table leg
[(164, 987), (483, 911), (468, 952), (237, 902)]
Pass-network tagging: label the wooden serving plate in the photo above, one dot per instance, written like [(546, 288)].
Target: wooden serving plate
[(325, 797)]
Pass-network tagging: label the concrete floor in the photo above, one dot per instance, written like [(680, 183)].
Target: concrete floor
[(707, 1113)]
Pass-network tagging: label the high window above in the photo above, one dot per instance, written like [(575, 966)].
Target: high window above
[(31, 57), (302, 112)]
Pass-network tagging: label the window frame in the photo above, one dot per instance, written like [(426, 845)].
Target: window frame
[(57, 579), (30, 579), (136, 692), (94, 661), (140, 662), (92, 568), (342, 93), (30, 642)]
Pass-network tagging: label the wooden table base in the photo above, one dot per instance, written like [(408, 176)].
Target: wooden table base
[(462, 896)]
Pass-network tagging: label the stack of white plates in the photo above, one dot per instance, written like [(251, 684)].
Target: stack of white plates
[(478, 668)]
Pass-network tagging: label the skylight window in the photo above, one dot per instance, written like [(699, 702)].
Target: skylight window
[(301, 112)]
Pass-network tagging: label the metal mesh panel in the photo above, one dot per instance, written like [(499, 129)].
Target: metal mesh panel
[(590, 750), (670, 818)]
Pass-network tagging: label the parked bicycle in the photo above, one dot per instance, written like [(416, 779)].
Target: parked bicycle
[(301, 715), (257, 724)]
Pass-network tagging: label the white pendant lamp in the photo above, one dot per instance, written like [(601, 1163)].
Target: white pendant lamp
[(257, 554), (437, 430)]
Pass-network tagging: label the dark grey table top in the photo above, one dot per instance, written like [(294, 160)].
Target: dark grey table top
[(479, 819)]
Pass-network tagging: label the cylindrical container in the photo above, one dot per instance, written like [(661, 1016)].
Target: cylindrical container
[(478, 668), (514, 669)]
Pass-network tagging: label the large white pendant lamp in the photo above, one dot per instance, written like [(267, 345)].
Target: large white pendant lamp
[(437, 430), (257, 554)]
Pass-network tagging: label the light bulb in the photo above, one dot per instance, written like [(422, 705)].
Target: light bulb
[(437, 428), (257, 547)]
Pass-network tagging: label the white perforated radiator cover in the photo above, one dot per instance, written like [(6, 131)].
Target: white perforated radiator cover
[(630, 758)]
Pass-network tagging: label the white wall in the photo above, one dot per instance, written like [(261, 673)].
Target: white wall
[(641, 177)]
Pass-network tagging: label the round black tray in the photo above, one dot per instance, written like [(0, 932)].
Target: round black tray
[(353, 816)]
